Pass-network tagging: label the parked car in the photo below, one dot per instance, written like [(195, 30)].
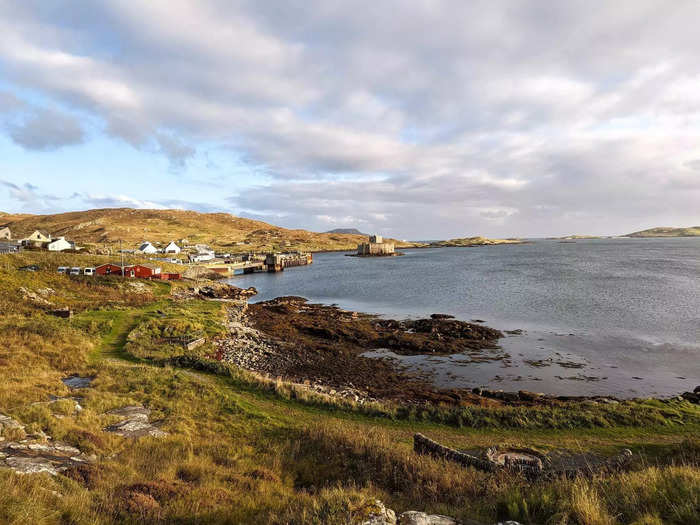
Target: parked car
[(75, 270), (89, 271), (30, 268), (63, 269)]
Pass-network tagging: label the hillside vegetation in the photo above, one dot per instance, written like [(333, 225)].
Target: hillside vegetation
[(132, 226), (693, 231)]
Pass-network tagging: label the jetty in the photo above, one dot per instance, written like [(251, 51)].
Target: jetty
[(254, 263)]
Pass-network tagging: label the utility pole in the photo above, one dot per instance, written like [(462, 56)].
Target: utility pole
[(121, 252)]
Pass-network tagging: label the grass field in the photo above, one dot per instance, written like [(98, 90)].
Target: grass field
[(241, 449)]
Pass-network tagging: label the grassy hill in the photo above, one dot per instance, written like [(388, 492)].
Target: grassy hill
[(132, 226), (693, 231)]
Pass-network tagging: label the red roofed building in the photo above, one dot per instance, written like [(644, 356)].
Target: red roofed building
[(110, 269)]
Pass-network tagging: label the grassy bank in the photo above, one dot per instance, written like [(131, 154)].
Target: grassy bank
[(243, 449)]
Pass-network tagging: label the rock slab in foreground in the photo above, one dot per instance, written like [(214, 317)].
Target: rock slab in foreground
[(135, 424)]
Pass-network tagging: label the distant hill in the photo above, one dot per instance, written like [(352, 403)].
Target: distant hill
[(220, 230), (348, 231), (693, 231)]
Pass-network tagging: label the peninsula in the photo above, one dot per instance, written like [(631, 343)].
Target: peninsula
[(472, 241), (692, 231)]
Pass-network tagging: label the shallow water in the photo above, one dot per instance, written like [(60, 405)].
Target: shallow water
[(618, 316)]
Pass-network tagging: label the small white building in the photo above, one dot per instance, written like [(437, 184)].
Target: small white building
[(172, 248), (147, 247), (59, 245), (5, 233)]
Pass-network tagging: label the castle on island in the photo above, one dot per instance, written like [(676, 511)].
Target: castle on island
[(376, 247)]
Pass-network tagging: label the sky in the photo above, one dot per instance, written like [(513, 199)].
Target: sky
[(419, 120)]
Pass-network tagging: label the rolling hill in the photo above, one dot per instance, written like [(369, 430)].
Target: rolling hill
[(693, 231), (132, 226)]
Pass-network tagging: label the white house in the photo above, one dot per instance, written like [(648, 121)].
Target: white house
[(5, 233), (172, 248), (147, 247), (58, 245)]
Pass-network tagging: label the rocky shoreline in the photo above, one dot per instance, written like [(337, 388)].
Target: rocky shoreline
[(322, 347)]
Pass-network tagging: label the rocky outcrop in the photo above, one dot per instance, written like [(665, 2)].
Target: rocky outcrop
[(226, 291), (35, 453), (135, 423), (34, 457)]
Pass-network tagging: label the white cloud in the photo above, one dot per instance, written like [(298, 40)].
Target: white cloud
[(502, 117)]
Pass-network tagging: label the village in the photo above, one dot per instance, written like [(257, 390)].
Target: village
[(197, 258)]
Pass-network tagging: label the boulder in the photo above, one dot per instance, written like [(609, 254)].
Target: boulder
[(413, 517)]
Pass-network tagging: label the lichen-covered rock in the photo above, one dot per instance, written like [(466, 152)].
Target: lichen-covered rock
[(375, 513), (413, 517), (6, 422)]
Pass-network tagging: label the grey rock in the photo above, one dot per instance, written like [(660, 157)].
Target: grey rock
[(28, 457), (135, 424), (413, 517), (75, 381)]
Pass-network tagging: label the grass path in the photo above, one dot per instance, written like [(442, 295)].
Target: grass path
[(111, 345)]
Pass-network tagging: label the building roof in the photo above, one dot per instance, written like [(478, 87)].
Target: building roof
[(151, 266)]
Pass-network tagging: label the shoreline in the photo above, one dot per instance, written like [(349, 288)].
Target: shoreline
[(325, 347)]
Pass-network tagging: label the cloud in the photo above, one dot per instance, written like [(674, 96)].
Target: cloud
[(30, 196), (46, 129), (431, 117)]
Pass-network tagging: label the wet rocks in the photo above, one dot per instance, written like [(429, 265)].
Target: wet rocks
[(135, 423), (693, 397)]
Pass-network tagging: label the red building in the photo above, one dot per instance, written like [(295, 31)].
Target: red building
[(143, 271), (110, 269), (170, 276)]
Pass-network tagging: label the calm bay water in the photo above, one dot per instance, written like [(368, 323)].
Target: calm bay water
[(618, 316)]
